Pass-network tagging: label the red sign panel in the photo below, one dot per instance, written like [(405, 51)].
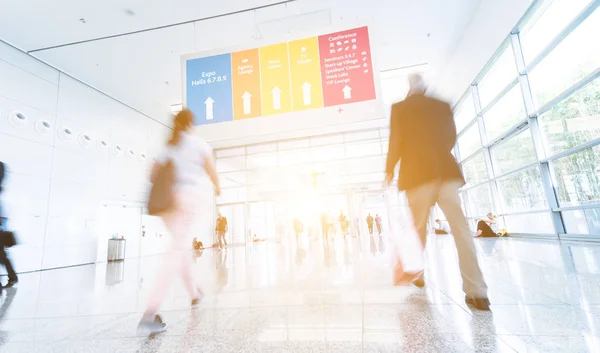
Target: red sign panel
[(346, 67)]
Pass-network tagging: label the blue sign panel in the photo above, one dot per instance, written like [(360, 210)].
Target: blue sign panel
[(209, 89)]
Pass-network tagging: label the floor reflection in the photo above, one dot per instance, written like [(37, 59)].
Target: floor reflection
[(310, 295)]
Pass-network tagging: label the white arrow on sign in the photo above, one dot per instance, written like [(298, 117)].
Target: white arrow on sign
[(347, 92), (306, 87), (209, 108), (246, 97), (276, 92)]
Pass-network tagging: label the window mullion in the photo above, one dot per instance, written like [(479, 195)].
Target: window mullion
[(536, 135), (486, 151), (482, 133), (528, 98)]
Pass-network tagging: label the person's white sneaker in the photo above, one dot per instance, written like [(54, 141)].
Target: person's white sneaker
[(151, 325)]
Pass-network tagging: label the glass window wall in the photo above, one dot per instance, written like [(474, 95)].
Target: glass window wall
[(546, 23), (480, 201), (544, 175), (499, 76), (475, 170), (507, 112), (465, 113), (577, 178), (575, 222), (574, 58), (514, 153), (531, 223), (593, 218), (572, 122), (522, 191), (469, 142)]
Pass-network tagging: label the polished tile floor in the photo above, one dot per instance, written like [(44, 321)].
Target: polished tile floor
[(287, 298)]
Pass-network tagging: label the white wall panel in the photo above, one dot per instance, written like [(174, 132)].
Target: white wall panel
[(61, 256), (69, 199), (126, 177), (27, 88), (155, 239), (71, 239), (81, 103), (26, 195), (68, 230), (25, 157), (80, 166), (158, 135), (26, 201), (28, 63), (26, 258), (127, 124)]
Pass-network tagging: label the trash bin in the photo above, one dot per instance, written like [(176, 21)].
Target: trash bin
[(116, 249), (115, 272)]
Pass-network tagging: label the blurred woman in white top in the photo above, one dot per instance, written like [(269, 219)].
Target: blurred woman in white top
[(193, 162)]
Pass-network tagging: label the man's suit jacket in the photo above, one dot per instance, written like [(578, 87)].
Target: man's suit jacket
[(2, 171), (1, 174), (422, 135)]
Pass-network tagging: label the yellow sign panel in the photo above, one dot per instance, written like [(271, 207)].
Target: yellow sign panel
[(275, 79), (305, 69)]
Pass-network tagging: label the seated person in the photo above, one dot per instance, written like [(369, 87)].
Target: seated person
[(487, 228), (441, 228), (197, 244)]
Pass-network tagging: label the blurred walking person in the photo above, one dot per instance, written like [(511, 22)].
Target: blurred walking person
[(298, 229), (344, 224), (221, 229), (325, 227), (422, 135), (191, 161), (370, 223), (378, 223), (4, 259)]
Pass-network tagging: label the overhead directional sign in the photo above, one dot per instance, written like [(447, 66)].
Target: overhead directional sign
[(246, 84), (324, 71), (209, 89), (305, 69)]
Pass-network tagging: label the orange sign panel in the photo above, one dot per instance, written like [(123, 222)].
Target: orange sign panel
[(245, 69)]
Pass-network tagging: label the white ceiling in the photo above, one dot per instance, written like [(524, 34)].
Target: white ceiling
[(143, 69)]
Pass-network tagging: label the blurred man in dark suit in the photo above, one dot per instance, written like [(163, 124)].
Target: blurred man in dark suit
[(422, 135), (4, 260)]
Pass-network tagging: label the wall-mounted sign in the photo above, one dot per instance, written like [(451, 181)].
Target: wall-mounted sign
[(316, 72)]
